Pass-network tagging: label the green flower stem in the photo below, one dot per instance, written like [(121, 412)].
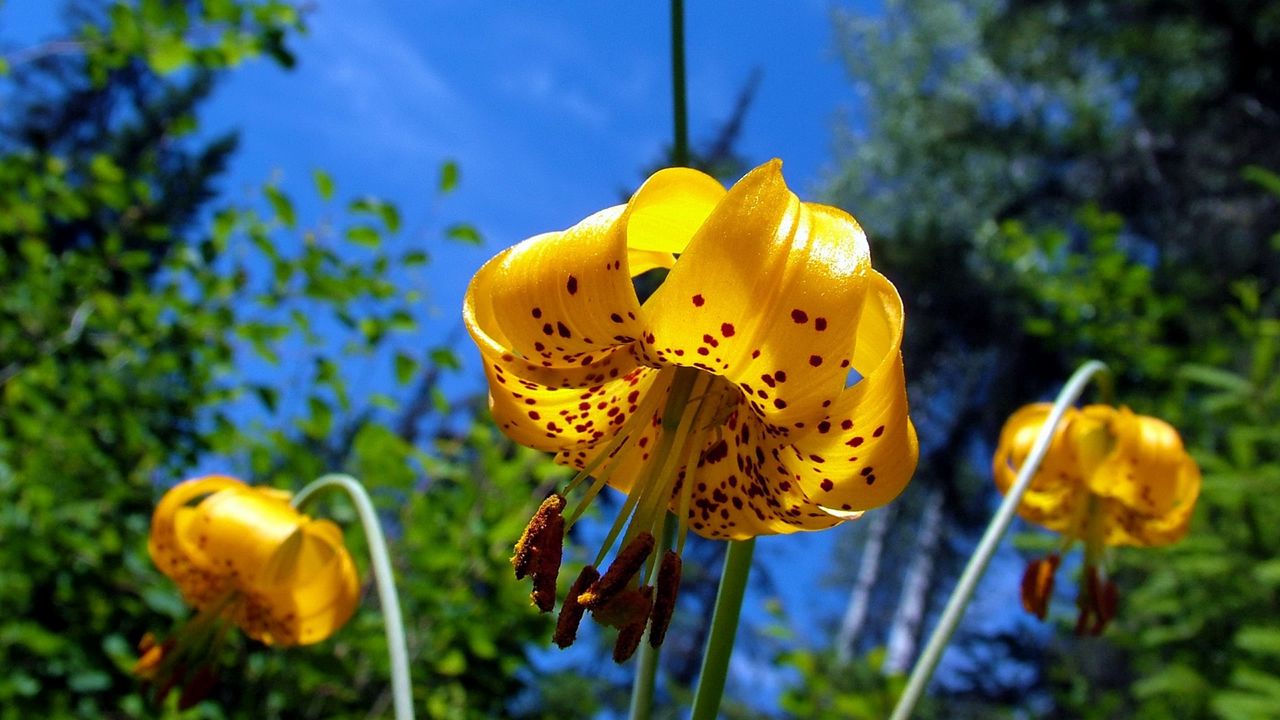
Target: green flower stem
[(724, 625), (680, 145), (960, 597), (401, 690), (647, 663)]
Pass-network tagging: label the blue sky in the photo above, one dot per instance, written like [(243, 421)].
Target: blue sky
[(551, 110)]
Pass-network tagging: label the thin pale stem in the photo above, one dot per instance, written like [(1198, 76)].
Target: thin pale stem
[(401, 690), (960, 597), (724, 626), (647, 663)]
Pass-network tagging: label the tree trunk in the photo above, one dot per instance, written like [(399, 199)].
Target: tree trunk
[(855, 614), (904, 633)]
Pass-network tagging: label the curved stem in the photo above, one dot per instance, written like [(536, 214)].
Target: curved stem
[(959, 599), (401, 690), (724, 625)]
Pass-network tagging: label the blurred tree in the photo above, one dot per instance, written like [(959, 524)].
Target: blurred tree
[(144, 322), (1050, 180)]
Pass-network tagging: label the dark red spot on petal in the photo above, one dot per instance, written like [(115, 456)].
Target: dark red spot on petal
[(698, 300), (820, 324), (726, 329), (572, 285), (537, 312), (799, 316), (815, 360)]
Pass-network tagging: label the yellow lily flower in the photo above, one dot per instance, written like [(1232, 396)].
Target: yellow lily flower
[(244, 555), (1109, 478), (723, 397)]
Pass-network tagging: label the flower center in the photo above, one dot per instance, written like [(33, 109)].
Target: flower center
[(638, 589)]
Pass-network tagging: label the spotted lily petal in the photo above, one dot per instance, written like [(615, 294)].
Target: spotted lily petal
[(768, 294), (247, 553), (1150, 481), (1056, 498)]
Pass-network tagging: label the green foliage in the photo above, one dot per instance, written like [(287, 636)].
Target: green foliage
[(1220, 586), (859, 691), (1086, 297), (138, 339)]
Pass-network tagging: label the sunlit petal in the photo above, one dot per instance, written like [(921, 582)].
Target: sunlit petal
[(768, 294)]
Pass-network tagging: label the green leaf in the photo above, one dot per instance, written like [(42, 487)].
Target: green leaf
[(1263, 177), (364, 236), (168, 53), (282, 206), (445, 358), (415, 258), (324, 183), (406, 367), (1215, 377), (1259, 639), (269, 397), (464, 233), (448, 177), (105, 170)]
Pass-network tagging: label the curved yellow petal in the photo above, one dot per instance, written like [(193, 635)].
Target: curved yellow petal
[(1057, 496), (1148, 478), (768, 294), (240, 529), (560, 295), (1127, 526), (669, 208), (1142, 471), (311, 589), (863, 451), (171, 513)]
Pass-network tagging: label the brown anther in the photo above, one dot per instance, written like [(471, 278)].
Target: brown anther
[(1097, 603), (1037, 585), (629, 635), (664, 603), (624, 568), (534, 536), (197, 688), (546, 563), (625, 608), (571, 611)]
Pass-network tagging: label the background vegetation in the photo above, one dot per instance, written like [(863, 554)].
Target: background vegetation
[(1044, 180)]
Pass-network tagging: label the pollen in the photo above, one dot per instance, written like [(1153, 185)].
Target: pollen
[(539, 551)]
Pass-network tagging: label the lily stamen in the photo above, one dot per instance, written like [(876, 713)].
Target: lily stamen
[(664, 603), (571, 611), (620, 572)]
